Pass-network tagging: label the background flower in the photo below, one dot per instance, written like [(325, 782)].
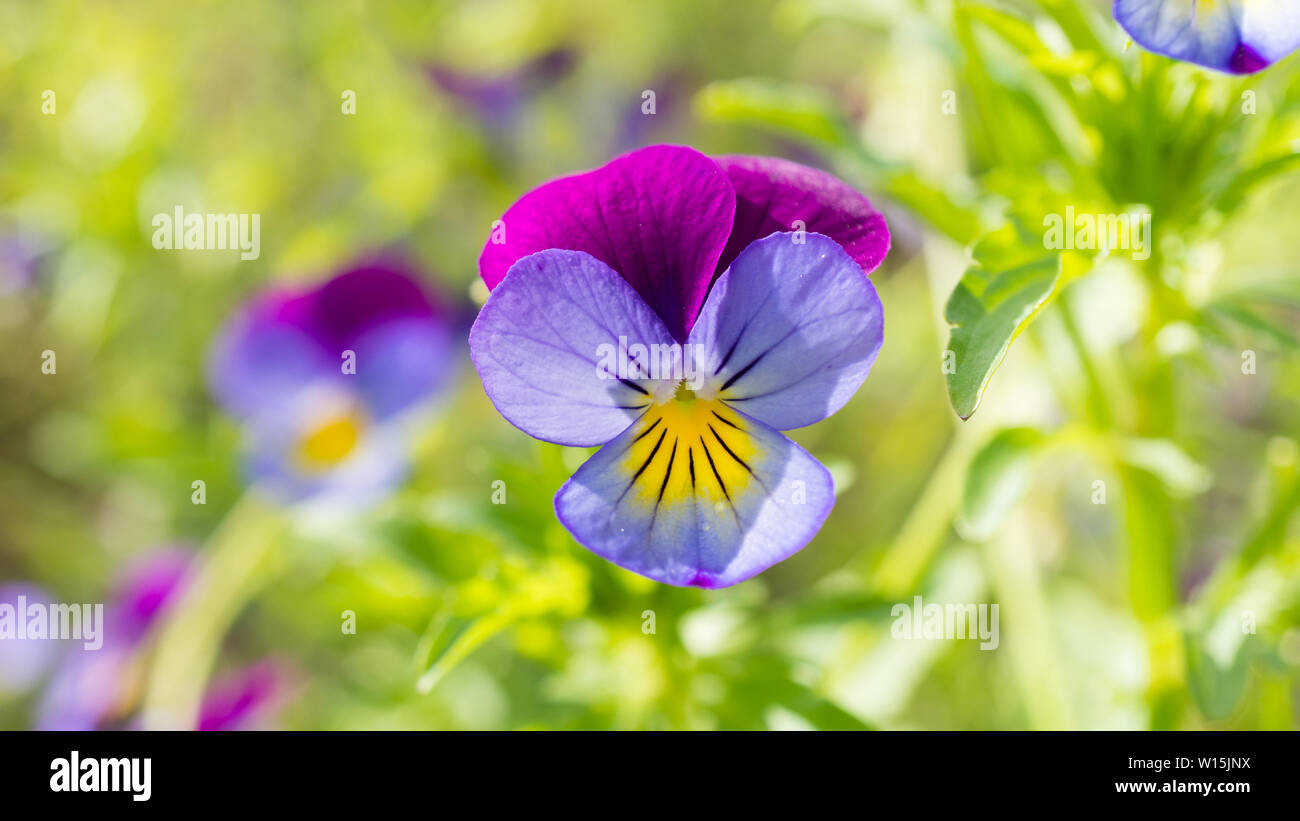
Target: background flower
[(324, 381), (101, 688)]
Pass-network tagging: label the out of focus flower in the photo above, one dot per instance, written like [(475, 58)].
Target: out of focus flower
[(498, 100), (99, 689), (604, 273), (1239, 36), (326, 379), (20, 253), (24, 661)]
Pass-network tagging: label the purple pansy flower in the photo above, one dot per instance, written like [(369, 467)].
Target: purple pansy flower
[(1239, 36), (324, 379), (748, 277), (100, 688)]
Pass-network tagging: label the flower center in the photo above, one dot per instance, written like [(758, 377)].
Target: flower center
[(684, 394), (330, 441), (693, 448)]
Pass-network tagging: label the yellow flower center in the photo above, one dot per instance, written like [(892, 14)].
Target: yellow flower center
[(690, 448), (329, 442)]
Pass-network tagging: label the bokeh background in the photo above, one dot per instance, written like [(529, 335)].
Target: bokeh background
[(1170, 600)]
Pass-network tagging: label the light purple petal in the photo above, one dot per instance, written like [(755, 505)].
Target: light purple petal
[(546, 338), (697, 494), (376, 464), (266, 353), (24, 661), (402, 362), (1239, 36), (89, 689), (659, 216), (773, 195), (790, 331)]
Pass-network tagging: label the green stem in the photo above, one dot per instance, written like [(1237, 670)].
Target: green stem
[(1098, 403), (928, 524), (241, 559)]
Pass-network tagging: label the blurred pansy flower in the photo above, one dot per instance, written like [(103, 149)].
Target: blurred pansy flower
[(101, 688), (498, 100), (1238, 36), (20, 254), (680, 311), (326, 379)]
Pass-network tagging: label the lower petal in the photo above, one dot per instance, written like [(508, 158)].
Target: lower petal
[(1239, 37), (697, 494)]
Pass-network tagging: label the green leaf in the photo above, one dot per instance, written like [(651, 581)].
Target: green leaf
[(798, 110), (998, 296), (1217, 685), (1241, 186), (933, 205), (1181, 475), (558, 587), (1250, 319), (997, 479)]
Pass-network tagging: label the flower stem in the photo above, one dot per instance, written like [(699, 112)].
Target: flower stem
[(242, 557)]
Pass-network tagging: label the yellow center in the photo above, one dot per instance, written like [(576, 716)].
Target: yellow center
[(690, 448), (330, 442)]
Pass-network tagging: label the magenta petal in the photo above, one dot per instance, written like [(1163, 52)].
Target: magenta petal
[(367, 295), (659, 216), (773, 195), (239, 699)]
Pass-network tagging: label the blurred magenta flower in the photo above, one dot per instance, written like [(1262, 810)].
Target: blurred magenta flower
[(243, 697), (324, 380), (750, 275), (1239, 36), (98, 689)]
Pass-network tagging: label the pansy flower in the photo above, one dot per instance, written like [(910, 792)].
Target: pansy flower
[(325, 378), (1238, 36), (680, 311), (101, 688)]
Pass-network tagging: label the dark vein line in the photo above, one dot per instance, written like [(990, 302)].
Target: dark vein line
[(672, 457), (731, 452), (726, 421), (643, 434), (634, 386), (648, 459), (742, 371), (716, 475)]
